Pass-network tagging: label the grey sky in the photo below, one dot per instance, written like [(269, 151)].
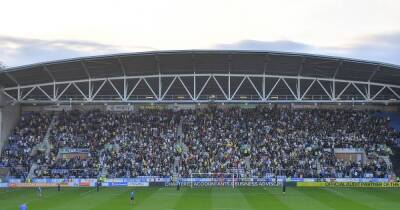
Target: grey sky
[(47, 30)]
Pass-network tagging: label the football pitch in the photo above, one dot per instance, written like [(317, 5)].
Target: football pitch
[(241, 198)]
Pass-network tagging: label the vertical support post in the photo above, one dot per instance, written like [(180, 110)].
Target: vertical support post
[(54, 91), (266, 59), (19, 93), (194, 87), (159, 85), (194, 77), (263, 86), (125, 89), (229, 76), (334, 90), (90, 89), (369, 90), (298, 88), (229, 86)]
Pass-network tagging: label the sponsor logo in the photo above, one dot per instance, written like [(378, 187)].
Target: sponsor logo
[(138, 184), (84, 184), (34, 185), (209, 184), (348, 184)]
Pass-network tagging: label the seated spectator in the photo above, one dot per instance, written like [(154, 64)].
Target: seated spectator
[(162, 142)]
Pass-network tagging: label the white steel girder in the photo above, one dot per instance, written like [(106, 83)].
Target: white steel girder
[(193, 95)]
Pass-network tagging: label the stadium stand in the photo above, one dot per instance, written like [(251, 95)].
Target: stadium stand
[(22, 151), (262, 141)]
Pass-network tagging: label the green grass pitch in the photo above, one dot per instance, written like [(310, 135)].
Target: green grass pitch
[(241, 198)]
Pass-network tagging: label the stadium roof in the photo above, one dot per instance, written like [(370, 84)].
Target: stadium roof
[(210, 61), (278, 65)]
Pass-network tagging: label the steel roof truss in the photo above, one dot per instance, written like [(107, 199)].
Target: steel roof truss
[(184, 86), (255, 88), (394, 92), (62, 92), (308, 88), (358, 89), (79, 90), (169, 87), (344, 89), (273, 88), (373, 97), (220, 87), (202, 88), (5, 93), (238, 87), (287, 85), (323, 88), (98, 90), (44, 92), (133, 89), (151, 89), (116, 90), (259, 96), (29, 92)]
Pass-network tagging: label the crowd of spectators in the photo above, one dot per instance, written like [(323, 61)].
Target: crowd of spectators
[(261, 141), (30, 131), (145, 144), (296, 143), (120, 144)]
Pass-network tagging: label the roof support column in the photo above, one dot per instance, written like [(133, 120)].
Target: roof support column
[(334, 90), (266, 59), (229, 86), (298, 88), (299, 72), (90, 89), (54, 92), (263, 87), (369, 91), (194, 77), (229, 77), (159, 85), (19, 93), (194, 87), (125, 88)]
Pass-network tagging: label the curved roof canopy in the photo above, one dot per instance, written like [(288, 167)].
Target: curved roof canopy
[(203, 76), (175, 62)]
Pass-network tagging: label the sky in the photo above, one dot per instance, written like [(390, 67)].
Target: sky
[(45, 30)]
